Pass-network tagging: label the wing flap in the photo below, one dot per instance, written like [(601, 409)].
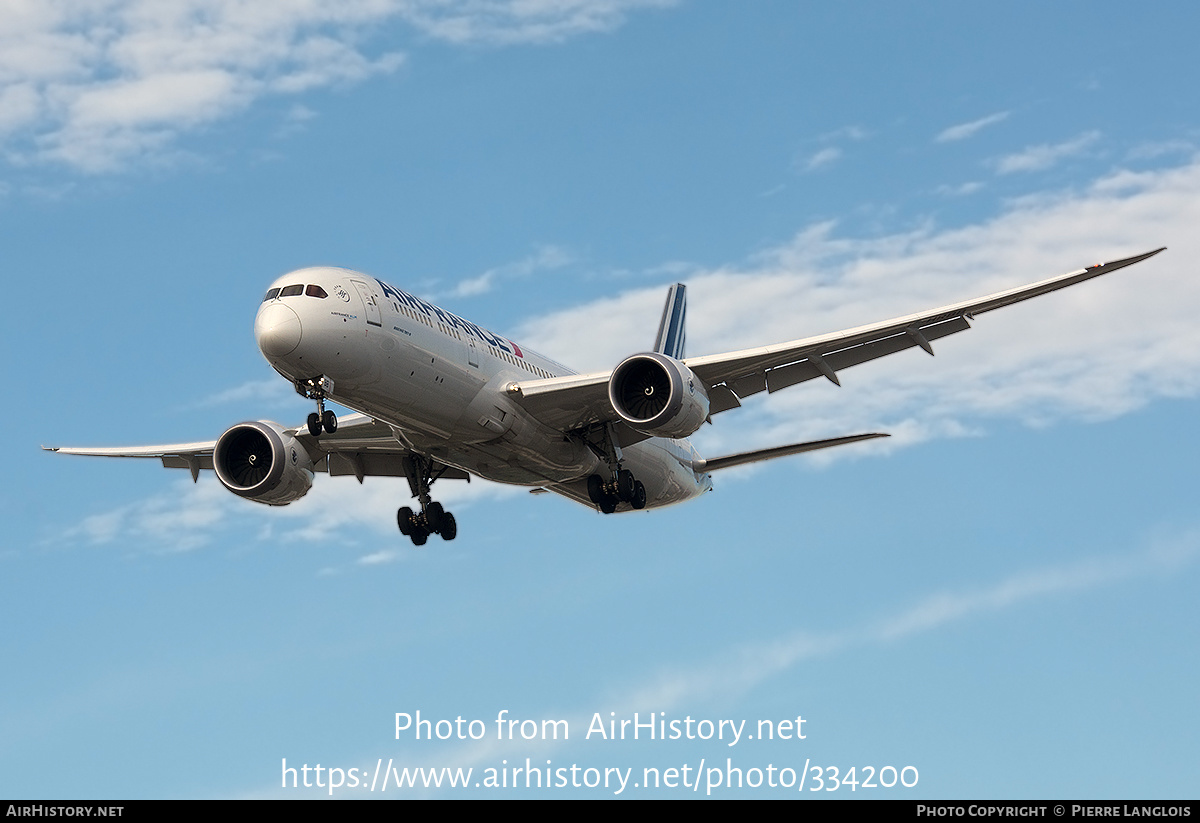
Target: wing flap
[(175, 461), (380, 464), (721, 398)]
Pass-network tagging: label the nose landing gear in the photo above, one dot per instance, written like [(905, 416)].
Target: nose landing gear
[(318, 388), (322, 418)]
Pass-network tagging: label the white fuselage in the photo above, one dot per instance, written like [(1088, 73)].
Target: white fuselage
[(441, 383)]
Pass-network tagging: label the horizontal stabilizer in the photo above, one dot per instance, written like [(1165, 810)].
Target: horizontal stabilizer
[(715, 463)]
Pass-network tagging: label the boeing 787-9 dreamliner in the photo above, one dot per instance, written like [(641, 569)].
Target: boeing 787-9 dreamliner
[(440, 398)]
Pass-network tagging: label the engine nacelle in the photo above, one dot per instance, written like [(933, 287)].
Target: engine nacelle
[(658, 395), (261, 462)]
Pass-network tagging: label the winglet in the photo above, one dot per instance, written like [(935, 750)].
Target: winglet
[(671, 331), (1113, 265)]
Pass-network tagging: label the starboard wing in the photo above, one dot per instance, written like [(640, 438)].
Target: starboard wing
[(576, 401)]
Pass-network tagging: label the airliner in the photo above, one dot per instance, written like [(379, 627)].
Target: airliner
[(437, 397)]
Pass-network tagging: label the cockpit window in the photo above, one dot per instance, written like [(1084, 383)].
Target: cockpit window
[(315, 291), (291, 291), (271, 295)]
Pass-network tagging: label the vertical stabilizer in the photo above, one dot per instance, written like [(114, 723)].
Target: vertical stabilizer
[(672, 333)]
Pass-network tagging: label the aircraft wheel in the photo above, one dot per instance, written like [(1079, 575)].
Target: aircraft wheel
[(449, 527), (434, 513), (419, 536), (596, 488), (625, 485), (314, 424), (329, 419), (404, 519), (608, 504), (639, 496)]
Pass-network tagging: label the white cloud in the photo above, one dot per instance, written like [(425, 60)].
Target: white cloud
[(379, 557), (1038, 158), (505, 22), (822, 158), (846, 133), (964, 130), (961, 190), (96, 84), (743, 668), (297, 118), (187, 516), (545, 258), (1155, 149), (182, 519), (273, 392), (829, 155)]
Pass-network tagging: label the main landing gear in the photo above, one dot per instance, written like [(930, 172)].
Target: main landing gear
[(318, 388), (623, 488), (432, 519)]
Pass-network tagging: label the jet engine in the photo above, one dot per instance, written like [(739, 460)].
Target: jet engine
[(262, 462), (658, 395)]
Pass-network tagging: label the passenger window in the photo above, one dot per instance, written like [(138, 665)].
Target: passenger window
[(271, 295), (292, 291), (315, 291)]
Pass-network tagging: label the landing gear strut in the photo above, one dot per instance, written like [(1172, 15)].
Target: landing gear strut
[(621, 486), (433, 518), (318, 388)]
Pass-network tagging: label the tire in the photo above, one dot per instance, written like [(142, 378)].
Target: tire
[(404, 520), (639, 496), (625, 485), (449, 527), (329, 419), (595, 488), (419, 537), (608, 504), (314, 424), (434, 516)]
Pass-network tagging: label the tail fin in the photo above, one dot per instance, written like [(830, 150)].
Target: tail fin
[(671, 331)]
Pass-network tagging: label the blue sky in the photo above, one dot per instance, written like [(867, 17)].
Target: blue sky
[(1000, 595)]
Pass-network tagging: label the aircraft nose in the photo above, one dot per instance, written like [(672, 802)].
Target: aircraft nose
[(277, 330)]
